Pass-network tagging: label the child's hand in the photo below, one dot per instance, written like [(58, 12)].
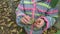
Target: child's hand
[(25, 19), (39, 23)]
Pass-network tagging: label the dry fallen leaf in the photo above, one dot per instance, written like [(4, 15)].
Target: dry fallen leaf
[(21, 30), (3, 24), (10, 24), (2, 28), (14, 30), (8, 20)]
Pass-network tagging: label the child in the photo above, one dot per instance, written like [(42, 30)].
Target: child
[(35, 16)]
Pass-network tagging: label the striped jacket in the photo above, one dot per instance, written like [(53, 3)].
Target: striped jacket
[(35, 9)]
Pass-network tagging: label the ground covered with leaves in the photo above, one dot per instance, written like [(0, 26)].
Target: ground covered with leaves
[(7, 19)]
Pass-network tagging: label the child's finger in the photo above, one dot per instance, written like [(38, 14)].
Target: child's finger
[(35, 24), (38, 26), (38, 19), (27, 18), (23, 21), (38, 23), (26, 21), (42, 20), (42, 23)]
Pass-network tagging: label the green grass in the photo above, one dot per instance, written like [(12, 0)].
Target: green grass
[(58, 32)]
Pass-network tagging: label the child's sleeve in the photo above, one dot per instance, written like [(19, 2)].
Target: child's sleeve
[(19, 14), (50, 17)]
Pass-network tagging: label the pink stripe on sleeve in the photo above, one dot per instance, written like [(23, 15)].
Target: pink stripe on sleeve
[(52, 12)]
